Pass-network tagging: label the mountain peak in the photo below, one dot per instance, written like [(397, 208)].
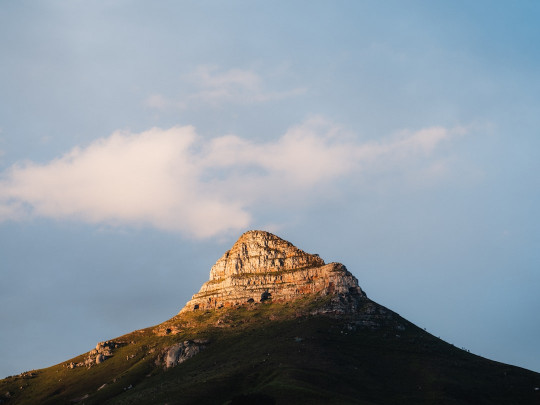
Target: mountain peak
[(261, 252), (260, 266)]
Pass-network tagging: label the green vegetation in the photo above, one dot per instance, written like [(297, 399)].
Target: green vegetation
[(279, 353)]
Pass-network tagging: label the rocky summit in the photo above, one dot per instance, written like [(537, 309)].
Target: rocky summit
[(276, 325), (261, 267)]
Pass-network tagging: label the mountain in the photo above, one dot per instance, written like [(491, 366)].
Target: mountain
[(260, 266), (276, 325)]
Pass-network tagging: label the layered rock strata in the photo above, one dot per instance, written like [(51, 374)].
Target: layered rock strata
[(261, 267)]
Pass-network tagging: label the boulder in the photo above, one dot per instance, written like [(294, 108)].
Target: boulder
[(180, 352)]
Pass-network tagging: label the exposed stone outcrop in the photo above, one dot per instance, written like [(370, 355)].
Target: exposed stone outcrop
[(262, 267), (102, 352), (180, 352)]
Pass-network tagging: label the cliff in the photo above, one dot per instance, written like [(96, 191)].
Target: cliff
[(262, 267)]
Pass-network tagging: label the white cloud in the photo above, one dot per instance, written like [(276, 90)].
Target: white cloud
[(147, 178), (174, 180)]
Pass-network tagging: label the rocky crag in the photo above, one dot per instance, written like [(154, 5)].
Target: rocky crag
[(263, 267)]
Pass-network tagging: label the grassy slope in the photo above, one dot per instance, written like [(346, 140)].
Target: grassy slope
[(275, 353)]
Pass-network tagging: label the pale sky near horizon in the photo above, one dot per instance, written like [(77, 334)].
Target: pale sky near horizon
[(139, 140)]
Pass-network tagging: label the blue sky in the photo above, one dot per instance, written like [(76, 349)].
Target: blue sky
[(139, 140)]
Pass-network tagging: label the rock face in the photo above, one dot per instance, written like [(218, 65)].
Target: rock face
[(261, 267), (180, 352)]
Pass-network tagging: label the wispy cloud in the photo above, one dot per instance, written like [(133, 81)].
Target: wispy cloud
[(172, 179), (160, 102), (213, 86), (234, 85)]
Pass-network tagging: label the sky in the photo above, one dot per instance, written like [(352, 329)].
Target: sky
[(139, 140)]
